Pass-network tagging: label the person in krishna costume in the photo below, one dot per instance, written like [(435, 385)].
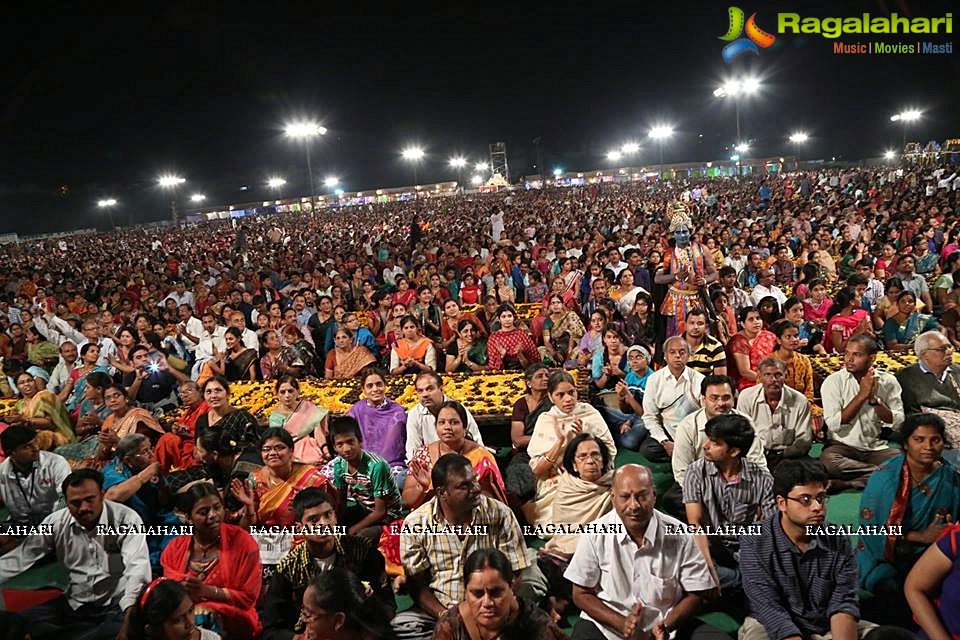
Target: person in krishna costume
[(687, 269)]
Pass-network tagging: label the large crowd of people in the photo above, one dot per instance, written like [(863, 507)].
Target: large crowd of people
[(674, 453)]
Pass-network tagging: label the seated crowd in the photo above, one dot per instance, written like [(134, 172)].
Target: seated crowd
[(671, 405)]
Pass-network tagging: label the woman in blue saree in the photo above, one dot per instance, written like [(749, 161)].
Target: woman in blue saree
[(915, 491)]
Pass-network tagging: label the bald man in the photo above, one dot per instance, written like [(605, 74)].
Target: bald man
[(653, 575)]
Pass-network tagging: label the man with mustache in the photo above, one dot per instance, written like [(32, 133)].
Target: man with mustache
[(105, 572), (653, 578)]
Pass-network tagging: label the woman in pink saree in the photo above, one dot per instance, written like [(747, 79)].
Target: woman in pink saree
[(303, 420)]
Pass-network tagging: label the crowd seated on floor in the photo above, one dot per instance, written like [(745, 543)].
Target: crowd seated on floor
[(670, 466)]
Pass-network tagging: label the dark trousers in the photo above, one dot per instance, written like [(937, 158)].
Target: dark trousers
[(653, 450), (690, 629), (56, 619)]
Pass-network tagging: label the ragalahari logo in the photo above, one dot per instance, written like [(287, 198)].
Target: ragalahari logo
[(755, 36)]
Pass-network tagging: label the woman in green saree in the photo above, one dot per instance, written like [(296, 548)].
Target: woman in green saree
[(915, 491)]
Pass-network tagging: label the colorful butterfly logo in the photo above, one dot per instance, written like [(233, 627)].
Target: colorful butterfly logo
[(755, 36)]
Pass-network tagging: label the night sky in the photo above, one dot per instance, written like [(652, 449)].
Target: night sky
[(103, 105)]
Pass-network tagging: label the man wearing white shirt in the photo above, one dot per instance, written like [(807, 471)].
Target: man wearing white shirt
[(717, 398), (211, 339), (672, 393), (191, 327), (422, 419), (180, 295), (106, 572), (250, 340), (858, 402), (30, 479), (59, 331), (69, 357), (765, 288), (643, 579), (615, 264), (780, 415)]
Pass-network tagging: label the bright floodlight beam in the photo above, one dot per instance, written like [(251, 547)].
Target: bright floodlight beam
[(331, 181), (458, 162), (276, 183), (743, 147), (198, 197), (906, 116), (661, 132), (557, 172), (476, 179), (304, 129), (614, 155), (481, 167), (630, 147), (799, 137), (413, 154), (168, 181), (108, 202), (889, 154)]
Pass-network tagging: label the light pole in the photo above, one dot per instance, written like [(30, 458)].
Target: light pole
[(414, 155), (306, 130), (171, 182), (736, 89), (798, 138), (108, 204), (458, 163), (905, 118), (330, 182), (660, 133)]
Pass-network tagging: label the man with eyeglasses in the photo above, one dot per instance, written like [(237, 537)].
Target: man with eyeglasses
[(800, 581), (933, 384), (859, 402)]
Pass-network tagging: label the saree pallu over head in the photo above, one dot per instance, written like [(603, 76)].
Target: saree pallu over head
[(305, 425), (350, 365)]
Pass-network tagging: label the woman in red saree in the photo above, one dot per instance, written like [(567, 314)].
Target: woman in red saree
[(748, 347), (175, 449), (219, 566), (845, 319)]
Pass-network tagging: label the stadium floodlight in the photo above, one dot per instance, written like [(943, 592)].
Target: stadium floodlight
[(557, 172), (799, 137), (477, 179), (614, 156), (413, 154), (304, 129), (630, 148), (458, 162), (276, 183), (889, 154), (198, 197), (481, 167), (737, 88), (331, 181), (108, 202), (168, 181)]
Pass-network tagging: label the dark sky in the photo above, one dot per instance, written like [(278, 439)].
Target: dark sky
[(102, 105)]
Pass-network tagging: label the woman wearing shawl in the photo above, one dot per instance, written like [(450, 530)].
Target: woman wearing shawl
[(219, 565), (41, 410), (303, 420), (96, 450), (553, 432), (383, 422), (916, 491), (175, 449), (583, 492)]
